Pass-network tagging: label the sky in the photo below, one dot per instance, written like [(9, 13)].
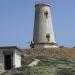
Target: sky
[(17, 22)]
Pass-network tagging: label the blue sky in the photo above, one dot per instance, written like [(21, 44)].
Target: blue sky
[(17, 21)]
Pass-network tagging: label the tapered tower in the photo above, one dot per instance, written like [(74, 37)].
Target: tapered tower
[(43, 35)]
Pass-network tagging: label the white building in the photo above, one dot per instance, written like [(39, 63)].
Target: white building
[(43, 35), (10, 57)]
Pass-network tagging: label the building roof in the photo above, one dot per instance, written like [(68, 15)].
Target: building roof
[(10, 47)]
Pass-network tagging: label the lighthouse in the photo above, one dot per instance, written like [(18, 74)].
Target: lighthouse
[(43, 35)]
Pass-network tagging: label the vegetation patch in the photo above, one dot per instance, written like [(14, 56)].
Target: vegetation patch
[(46, 66)]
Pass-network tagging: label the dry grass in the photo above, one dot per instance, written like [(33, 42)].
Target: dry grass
[(54, 52)]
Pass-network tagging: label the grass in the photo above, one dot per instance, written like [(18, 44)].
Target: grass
[(26, 60), (46, 66)]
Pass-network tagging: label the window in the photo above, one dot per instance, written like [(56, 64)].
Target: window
[(48, 36), (46, 14)]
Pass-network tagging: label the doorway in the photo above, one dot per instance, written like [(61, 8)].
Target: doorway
[(7, 62)]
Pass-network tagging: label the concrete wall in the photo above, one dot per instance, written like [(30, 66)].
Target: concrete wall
[(17, 59), (43, 25), (1, 61), (43, 29)]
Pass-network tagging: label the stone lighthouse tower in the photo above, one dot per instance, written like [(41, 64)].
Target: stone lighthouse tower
[(43, 35)]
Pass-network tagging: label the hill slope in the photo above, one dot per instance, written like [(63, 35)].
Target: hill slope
[(59, 61)]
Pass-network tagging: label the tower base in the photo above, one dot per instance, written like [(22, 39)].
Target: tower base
[(44, 45)]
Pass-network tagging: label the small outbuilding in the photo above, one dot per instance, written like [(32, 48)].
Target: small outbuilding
[(10, 57)]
